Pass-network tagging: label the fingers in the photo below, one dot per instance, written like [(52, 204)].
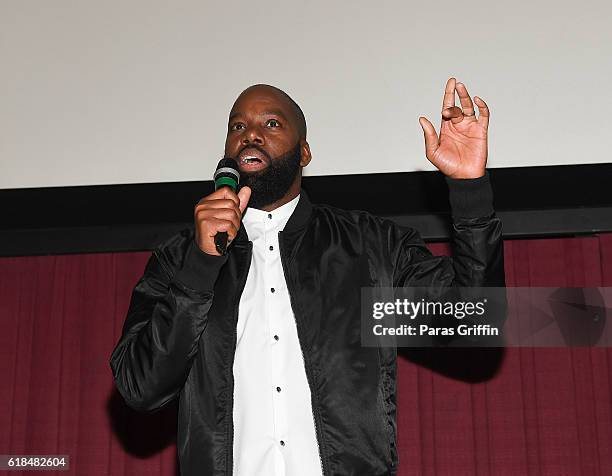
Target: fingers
[(210, 222), (449, 110), (458, 114), (217, 203), (449, 94), (483, 111), (222, 193), (244, 195), (216, 225), (454, 114), (431, 138), (220, 211), (466, 102)]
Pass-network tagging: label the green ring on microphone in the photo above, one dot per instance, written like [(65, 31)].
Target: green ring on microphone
[(222, 181)]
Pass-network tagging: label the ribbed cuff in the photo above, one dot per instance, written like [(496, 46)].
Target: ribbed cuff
[(470, 198), (200, 270)]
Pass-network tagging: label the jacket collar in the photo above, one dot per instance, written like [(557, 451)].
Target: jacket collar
[(301, 214), (298, 219)]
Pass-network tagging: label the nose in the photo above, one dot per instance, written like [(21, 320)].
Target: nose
[(252, 135)]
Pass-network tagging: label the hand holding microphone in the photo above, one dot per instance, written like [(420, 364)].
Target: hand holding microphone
[(217, 216)]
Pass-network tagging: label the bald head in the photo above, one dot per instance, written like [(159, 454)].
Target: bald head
[(296, 113), (266, 134)]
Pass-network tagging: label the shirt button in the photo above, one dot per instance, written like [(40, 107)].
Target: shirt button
[(271, 247), (282, 443), (272, 289), (278, 389), (275, 337), (269, 215)]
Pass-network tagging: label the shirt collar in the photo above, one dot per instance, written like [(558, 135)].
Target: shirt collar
[(277, 218), (297, 221)]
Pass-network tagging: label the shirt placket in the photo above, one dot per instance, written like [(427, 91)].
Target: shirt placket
[(274, 286)]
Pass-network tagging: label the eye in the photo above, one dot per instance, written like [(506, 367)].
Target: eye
[(273, 123), (237, 126)]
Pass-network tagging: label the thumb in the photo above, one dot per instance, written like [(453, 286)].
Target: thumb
[(244, 195), (431, 138)]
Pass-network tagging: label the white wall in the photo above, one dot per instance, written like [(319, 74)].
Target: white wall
[(100, 92)]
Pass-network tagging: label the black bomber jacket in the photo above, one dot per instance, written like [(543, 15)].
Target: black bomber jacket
[(179, 336)]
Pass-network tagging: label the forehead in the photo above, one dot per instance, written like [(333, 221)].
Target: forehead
[(258, 100)]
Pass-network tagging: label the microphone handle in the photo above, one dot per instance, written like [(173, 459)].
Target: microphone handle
[(221, 242), (221, 237)]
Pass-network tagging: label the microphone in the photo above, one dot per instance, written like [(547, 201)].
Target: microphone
[(226, 175)]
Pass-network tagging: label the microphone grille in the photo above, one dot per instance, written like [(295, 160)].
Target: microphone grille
[(227, 162), (227, 174)]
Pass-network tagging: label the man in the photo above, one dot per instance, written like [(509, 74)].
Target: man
[(262, 345)]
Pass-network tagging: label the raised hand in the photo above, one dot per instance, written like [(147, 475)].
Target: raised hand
[(461, 149)]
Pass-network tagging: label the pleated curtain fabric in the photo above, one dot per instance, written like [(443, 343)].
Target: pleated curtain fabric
[(515, 411)]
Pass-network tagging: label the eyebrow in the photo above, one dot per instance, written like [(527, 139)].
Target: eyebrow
[(266, 113)]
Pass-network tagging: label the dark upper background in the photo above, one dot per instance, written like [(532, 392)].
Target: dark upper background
[(532, 202)]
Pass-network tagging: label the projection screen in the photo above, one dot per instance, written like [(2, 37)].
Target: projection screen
[(122, 92)]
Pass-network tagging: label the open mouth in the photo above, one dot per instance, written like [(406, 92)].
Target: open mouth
[(251, 159)]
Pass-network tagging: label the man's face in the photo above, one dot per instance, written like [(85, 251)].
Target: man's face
[(264, 139)]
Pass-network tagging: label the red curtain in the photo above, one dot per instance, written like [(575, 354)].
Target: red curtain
[(463, 411)]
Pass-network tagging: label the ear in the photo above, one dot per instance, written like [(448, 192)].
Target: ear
[(306, 155)]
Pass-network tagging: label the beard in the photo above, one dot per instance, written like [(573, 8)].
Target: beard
[(272, 183)]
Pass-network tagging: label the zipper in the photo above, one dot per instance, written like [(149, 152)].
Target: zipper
[(229, 467), (308, 372)]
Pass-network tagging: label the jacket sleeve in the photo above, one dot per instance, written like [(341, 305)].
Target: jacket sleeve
[(477, 259), (167, 314)]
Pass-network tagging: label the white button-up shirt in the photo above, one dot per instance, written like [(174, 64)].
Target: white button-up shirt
[(274, 431)]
